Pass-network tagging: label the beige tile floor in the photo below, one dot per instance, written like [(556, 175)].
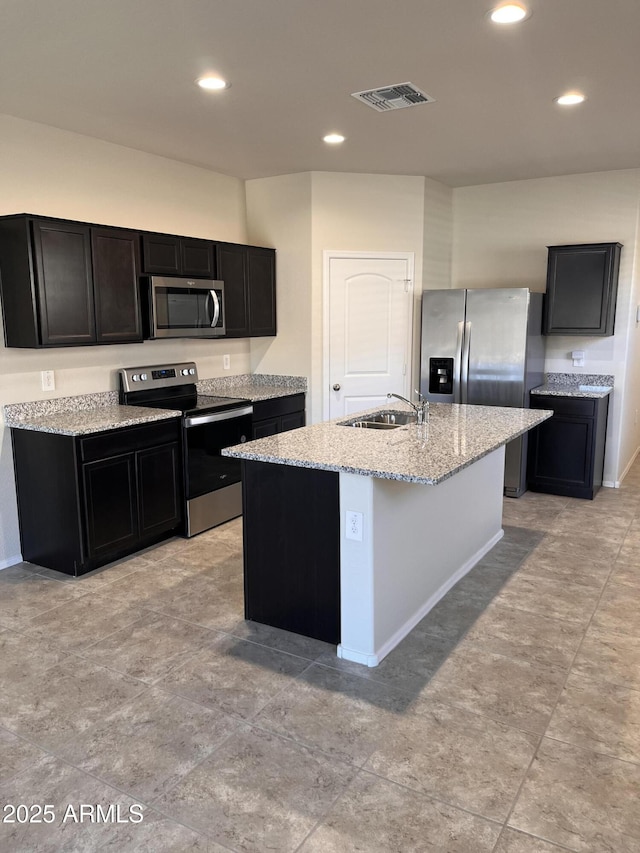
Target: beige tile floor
[(508, 721)]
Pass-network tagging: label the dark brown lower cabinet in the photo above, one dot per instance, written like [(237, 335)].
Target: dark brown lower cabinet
[(278, 415), (566, 452), (87, 500), (291, 523)]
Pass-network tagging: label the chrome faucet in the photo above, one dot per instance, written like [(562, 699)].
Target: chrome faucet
[(421, 408)]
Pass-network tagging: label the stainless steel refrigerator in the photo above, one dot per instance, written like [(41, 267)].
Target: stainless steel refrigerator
[(484, 347)]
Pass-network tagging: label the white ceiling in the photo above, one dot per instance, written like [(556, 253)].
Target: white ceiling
[(124, 71)]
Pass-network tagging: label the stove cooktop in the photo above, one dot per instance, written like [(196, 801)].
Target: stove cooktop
[(171, 386), (192, 404)]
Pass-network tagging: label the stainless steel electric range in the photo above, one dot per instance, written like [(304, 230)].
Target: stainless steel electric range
[(212, 482)]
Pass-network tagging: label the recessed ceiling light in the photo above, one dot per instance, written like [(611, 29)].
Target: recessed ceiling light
[(509, 13), (333, 138), (570, 99), (212, 83)]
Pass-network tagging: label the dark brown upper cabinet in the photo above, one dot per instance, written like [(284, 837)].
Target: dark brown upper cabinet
[(249, 277), (116, 265), (231, 262), (68, 283), (166, 254), (261, 279), (582, 286)]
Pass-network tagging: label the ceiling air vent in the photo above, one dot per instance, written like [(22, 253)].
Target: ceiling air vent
[(393, 97)]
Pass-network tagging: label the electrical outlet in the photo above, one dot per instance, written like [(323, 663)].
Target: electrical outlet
[(48, 380), (226, 362), (354, 525)]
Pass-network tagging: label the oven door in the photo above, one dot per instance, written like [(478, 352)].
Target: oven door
[(212, 481), (182, 308)]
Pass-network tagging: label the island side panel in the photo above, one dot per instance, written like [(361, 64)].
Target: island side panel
[(418, 541), (292, 549)]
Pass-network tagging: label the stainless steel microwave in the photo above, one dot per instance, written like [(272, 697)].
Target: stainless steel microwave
[(183, 308)]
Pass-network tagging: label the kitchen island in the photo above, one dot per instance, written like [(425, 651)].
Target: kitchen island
[(352, 535)]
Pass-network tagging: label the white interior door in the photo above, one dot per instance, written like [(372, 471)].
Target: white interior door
[(369, 337)]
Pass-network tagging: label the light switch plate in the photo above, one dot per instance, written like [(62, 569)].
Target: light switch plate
[(226, 362)]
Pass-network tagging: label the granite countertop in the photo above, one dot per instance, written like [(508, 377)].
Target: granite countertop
[(87, 421), (254, 387), (586, 385), (80, 415), (455, 437), (88, 413)]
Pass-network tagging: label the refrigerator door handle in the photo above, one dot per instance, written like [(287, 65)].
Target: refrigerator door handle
[(464, 370), (457, 363)]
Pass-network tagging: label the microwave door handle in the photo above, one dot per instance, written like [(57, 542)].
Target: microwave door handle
[(216, 308)]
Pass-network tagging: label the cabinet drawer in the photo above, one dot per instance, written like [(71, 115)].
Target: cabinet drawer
[(569, 406), (118, 441), (263, 409)]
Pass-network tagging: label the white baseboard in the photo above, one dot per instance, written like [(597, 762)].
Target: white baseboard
[(10, 561), (356, 657), (409, 625), (618, 483)]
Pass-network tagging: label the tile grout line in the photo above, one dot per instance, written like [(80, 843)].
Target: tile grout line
[(555, 706)]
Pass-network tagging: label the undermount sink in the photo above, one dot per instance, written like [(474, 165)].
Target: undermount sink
[(382, 420)]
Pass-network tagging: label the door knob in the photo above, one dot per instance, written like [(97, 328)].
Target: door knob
[(336, 387)]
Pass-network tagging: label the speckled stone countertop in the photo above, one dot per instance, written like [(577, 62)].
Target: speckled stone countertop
[(87, 413), (259, 386), (588, 385), (81, 415), (456, 436)]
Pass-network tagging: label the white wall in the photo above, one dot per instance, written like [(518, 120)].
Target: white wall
[(61, 174), (360, 213), (437, 235), (279, 215), (501, 232), (304, 214), (630, 438)]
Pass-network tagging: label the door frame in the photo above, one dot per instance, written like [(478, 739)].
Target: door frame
[(327, 256)]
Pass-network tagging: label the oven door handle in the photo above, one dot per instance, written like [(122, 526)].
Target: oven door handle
[(216, 308), (213, 417)]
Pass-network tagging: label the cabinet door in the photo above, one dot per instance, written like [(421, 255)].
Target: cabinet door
[(159, 489), (582, 285), (292, 421), (261, 280), (115, 256), (267, 427), (161, 254), (64, 283), (196, 258), (231, 263), (110, 505), (561, 451)]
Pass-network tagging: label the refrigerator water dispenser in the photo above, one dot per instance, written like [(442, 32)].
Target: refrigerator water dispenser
[(440, 375)]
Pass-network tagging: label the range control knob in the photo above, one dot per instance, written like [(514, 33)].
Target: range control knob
[(136, 377), (185, 371), (192, 371), (144, 377)]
